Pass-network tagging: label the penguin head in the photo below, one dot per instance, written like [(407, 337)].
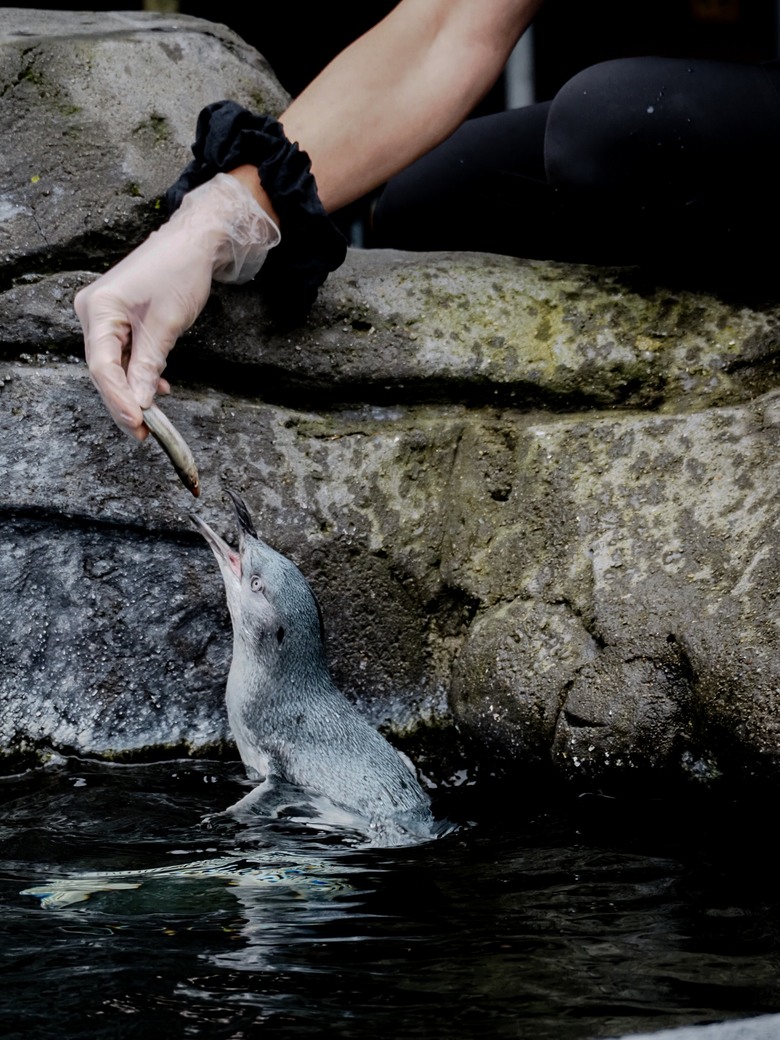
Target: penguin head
[(274, 612)]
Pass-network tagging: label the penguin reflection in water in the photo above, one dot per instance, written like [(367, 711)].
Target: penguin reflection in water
[(290, 722)]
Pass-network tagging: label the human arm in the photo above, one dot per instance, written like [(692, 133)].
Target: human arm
[(387, 99), (400, 89)]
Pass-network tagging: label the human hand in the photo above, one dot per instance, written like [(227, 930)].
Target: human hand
[(133, 314)]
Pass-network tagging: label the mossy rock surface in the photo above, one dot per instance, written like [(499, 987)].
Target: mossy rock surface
[(537, 501)]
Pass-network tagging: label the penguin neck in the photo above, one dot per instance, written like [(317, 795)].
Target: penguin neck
[(273, 675)]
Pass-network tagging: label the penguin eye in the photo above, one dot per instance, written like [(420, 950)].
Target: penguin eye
[(256, 583)]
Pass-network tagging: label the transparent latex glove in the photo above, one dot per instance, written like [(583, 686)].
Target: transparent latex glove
[(133, 314)]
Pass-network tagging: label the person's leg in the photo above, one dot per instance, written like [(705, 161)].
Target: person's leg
[(484, 189), (653, 155), (638, 159)]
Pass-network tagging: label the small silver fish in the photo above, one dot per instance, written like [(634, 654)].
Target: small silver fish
[(174, 446)]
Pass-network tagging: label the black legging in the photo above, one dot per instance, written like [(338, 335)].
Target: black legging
[(639, 159)]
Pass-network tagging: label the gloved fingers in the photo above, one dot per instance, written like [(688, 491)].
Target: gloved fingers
[(110, 366), (133, 315), (107, 342), (148, 359), (108, 375)]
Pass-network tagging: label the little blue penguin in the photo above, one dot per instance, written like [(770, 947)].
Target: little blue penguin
[(289, 720)]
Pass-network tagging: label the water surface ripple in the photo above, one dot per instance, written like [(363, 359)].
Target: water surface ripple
[(584, 919)]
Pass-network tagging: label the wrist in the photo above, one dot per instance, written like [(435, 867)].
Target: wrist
[(229, 225), (230, 138), (250, 178)]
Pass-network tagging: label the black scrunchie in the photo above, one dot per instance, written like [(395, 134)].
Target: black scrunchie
[(228, 136)]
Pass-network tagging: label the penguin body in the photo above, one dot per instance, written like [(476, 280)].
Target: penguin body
[(289, 720)]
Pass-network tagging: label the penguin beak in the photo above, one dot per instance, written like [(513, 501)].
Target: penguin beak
[(242, 514), (228, 559)]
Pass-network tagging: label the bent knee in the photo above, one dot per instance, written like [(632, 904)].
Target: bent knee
[(606, 121)]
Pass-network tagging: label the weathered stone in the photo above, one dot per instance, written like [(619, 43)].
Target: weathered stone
[(512, 675), (534, 499), (97, 112), (395, 326), (74, 472), (667, 560), (78, 671)]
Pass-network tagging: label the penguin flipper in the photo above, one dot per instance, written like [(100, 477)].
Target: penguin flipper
[(246, 808)]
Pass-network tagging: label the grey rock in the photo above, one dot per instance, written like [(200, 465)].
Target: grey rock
[(660, 542), (439, 327), (78, 672), (133, 490), (536, 501), (97, 112)]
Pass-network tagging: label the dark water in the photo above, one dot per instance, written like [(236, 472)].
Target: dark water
[(585, 919)]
